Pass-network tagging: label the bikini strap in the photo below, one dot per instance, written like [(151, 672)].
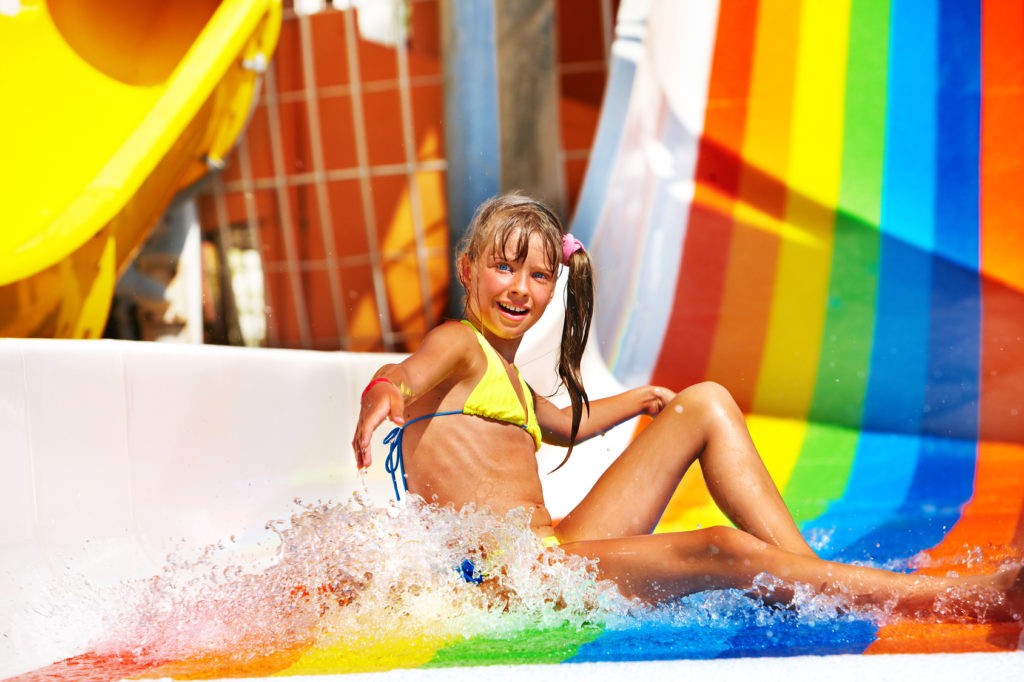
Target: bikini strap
[(394, 462)]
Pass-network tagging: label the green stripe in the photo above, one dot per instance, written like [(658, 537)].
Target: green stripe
[(528, 646), (822, 470), (849, 321), (826, 456)]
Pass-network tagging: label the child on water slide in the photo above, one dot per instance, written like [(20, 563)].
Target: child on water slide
[(470, 427)]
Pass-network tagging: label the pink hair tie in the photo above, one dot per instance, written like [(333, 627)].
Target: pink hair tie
[(570, 245)]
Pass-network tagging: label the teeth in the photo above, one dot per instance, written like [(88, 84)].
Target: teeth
[(512, 308)]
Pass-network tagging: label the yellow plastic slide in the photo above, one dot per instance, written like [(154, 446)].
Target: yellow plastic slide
[(110, 107)]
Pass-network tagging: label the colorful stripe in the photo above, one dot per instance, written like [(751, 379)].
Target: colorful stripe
[(851, 269), (718, 173), (786, 378), (735, 357)]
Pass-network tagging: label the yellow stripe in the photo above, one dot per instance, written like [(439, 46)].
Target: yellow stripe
[(778, 440), (368, 655), (789, 366), (692, 518)]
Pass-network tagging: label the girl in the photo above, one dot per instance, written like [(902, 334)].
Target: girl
[(470, 428)]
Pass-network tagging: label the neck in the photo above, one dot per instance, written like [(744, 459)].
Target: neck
[(506, 347)]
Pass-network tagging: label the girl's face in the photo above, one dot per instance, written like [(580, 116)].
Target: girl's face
[(509, 296)]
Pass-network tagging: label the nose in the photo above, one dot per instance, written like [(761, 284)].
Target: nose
[(518, 283)]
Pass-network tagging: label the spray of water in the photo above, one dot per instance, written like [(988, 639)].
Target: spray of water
[(353, 572), (354, 575)]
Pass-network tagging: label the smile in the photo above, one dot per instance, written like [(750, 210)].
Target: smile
[(513, 310)]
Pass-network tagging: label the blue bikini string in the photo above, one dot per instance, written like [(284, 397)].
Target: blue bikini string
[(394, 461)]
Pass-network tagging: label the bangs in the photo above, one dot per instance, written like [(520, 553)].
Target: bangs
[(512, 239)]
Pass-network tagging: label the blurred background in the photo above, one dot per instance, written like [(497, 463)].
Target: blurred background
[(328, 227)]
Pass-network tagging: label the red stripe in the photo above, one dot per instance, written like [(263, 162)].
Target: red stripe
[(691, 328)]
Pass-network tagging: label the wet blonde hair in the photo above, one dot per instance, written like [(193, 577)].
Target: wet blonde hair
[(507, 223)]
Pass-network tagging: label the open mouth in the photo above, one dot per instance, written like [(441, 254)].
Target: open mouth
[(513, 310)]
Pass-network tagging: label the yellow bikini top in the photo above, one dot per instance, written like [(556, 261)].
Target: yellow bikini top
[(494, 397)]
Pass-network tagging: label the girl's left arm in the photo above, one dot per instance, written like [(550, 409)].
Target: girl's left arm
[(556, 423)]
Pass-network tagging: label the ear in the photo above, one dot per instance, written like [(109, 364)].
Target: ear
[(465, 271)]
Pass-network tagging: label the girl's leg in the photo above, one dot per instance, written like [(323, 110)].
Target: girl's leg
[(660, 567), (702, 423)]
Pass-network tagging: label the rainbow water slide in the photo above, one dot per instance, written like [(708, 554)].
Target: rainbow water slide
[(110, 109), (816, 204)]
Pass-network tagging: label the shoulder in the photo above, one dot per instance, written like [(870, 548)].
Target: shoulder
[(450, 332), (447, 354), (454, 340)]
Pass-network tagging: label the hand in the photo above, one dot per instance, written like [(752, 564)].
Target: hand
[(382, 401), (653, 399)]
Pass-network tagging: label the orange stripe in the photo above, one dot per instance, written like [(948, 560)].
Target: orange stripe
[(1002, 209), (1002, 140), (989, 521), (747, 296)]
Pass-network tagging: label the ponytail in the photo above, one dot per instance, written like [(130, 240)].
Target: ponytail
[(579, 311)]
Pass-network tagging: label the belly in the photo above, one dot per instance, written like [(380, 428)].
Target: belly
[(463, 459)]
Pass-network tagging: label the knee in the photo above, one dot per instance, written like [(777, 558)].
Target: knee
[(709, 397), (732, 546)]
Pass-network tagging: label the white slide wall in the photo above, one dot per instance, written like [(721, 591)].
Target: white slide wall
[(116, 454)]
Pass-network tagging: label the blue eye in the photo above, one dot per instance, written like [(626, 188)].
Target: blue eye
[(504, 267)]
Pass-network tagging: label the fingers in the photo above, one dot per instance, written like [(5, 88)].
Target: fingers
[(364, 433), (361, 446), (665, 395), (659, 398), (368, 423), (373, 415)]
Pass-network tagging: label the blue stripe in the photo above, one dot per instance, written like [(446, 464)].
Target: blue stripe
[(954, 351), (895, 394), (883, 471), (908, 188), (896, 384), (762, 633), (942, 483), (726, 624), (959, 130)]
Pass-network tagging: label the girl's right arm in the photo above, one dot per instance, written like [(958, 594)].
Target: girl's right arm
[(445, 350)]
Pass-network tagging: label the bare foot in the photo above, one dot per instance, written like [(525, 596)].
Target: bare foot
[(996, 597), (1011, 582)]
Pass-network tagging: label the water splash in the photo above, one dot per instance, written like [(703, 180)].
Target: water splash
[(355, 572), (356, 578)]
